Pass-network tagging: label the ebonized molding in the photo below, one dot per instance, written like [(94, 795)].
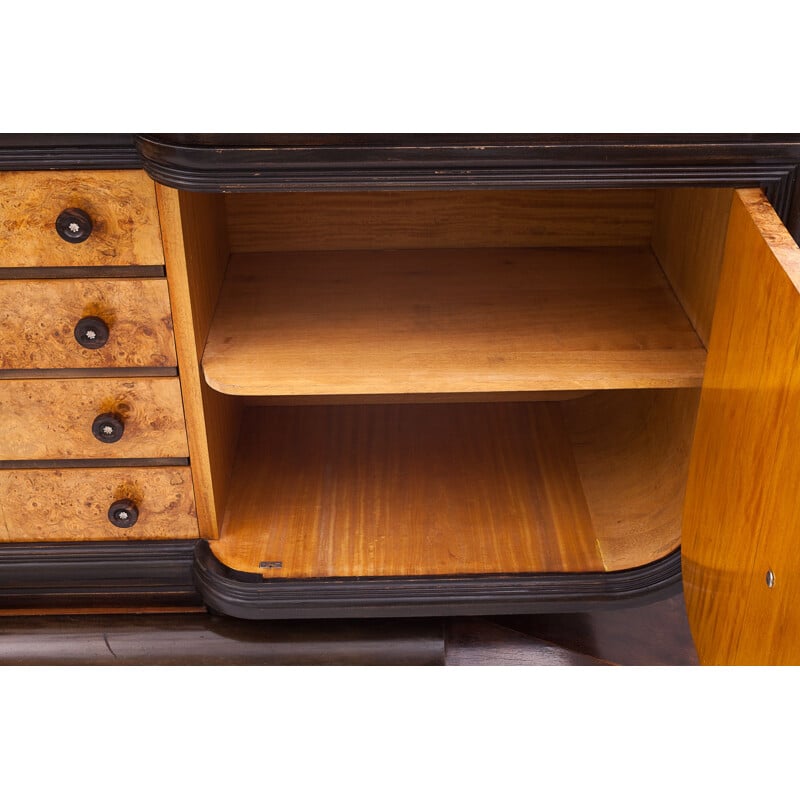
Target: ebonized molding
[(92, 463), (66, 273), (249, 596), (89, 372), (338, 162), (42, 151), (97, 574)]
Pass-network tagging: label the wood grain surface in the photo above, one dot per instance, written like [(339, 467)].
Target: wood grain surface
[(743, 496), (196, 247), (52, 419), (388, 220), (38, 320), (120, 203), (689, 242), (588, 484), (404, 490), (449, 321), (631, 450), (72, 504)]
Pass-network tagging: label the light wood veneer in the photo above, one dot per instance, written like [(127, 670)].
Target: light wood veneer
[(581, 485), (416, 321), (284, 221), (743, 498), (120, 203), (72, 504), (52, 419), (38, 319)]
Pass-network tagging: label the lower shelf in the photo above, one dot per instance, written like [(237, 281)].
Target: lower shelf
[(586, 484)]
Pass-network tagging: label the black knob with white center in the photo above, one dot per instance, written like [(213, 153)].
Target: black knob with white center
[(123, 514), (108, 428), (74, 225), (91, 333)]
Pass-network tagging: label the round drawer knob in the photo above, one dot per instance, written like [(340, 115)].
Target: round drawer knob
[(123, 514), (74, 225), (108, 428), (91, 333)]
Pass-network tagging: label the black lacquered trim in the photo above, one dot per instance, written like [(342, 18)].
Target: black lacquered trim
[(249, 596), (219, 162), (88, 372), (61, 273), (92, 463), (253, 163), (39, 151), (99, 574)]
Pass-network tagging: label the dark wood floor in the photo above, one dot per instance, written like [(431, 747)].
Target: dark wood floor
[(655, 634)]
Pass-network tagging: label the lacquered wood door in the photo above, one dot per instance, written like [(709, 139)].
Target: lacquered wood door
[(741, 527)]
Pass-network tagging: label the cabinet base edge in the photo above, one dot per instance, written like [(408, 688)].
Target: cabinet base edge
[(97, 574), (249, 596)]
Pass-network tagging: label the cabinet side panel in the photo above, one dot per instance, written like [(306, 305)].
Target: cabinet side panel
[(196, 252), (632, 454), (743, 495), (689, 242)]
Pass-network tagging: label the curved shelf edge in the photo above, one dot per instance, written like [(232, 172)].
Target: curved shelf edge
[(249, 596)]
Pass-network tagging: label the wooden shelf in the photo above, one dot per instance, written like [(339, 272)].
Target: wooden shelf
[(448, 321), (581, 485)]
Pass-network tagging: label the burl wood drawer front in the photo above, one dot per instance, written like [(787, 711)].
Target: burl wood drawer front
[(75, 504), (120, 205), (39, 318), (91, 418)]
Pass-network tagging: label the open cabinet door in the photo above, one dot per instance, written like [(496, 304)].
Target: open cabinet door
[(741, 526)]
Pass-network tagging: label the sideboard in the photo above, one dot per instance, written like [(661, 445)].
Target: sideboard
[(329, 376)]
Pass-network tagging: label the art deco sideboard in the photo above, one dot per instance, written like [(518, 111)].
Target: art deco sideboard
[(352, 376)]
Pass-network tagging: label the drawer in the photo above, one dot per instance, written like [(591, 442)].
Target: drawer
[(75, 504), (120, 205), (91, 418), (39, 320)]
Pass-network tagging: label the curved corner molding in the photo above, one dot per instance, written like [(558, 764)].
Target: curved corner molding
[(249, 596), (235, 163)]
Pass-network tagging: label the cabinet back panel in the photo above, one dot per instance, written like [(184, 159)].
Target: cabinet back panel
[(398, 220)]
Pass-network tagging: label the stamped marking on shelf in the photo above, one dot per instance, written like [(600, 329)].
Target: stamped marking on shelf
[(270, 565)]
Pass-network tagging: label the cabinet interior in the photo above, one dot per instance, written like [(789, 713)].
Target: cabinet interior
[(454, 382)]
